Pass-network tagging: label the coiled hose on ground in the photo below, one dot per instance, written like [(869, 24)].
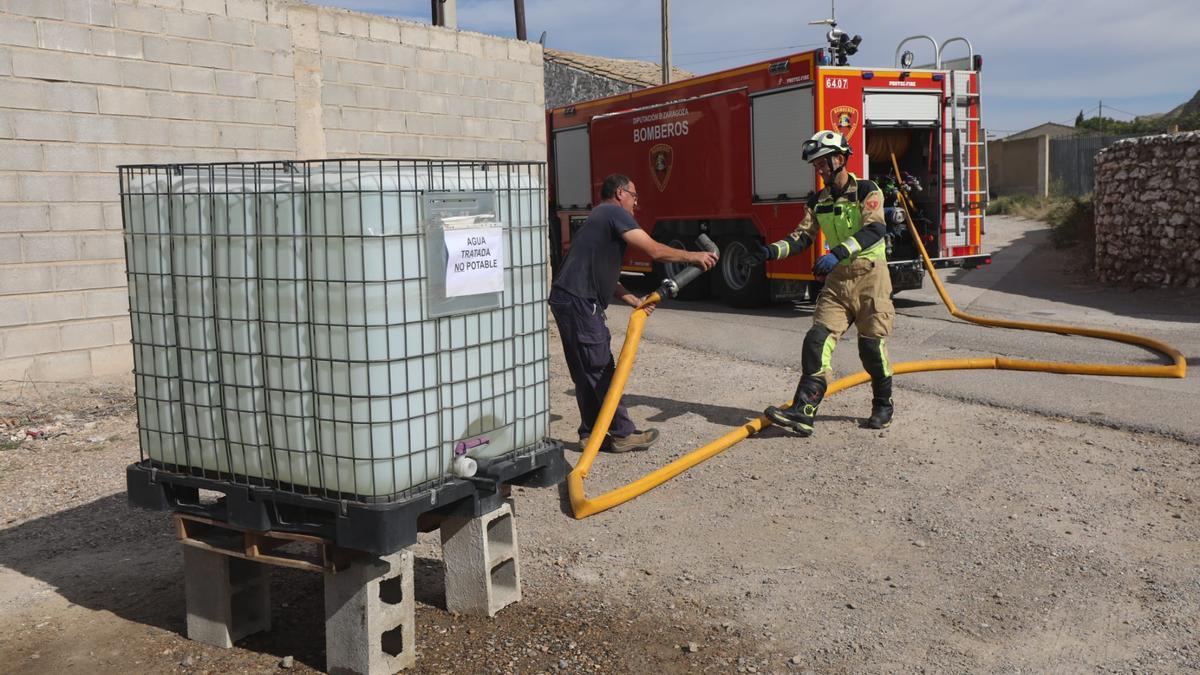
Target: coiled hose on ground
[(582, 506)]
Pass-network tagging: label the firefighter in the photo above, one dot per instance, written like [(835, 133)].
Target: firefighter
[(858, 290), (587, 280)]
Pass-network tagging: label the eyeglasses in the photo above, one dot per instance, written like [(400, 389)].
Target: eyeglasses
[(631, 193)]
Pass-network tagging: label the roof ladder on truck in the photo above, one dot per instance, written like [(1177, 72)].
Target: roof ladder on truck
[(970, 168)]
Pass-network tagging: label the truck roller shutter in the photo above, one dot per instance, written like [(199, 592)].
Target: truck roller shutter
[(572, 168), (912, 109), (782, 121)]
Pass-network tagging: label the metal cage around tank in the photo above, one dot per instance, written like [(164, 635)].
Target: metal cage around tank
[(292, 328)]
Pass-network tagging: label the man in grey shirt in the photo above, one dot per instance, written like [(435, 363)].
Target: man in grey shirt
[(588, 278)]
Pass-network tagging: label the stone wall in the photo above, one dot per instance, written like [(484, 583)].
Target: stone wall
[(566, 85), (91, 84), (1148, 211)]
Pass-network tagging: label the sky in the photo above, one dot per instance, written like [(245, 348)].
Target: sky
[(1043, 60)]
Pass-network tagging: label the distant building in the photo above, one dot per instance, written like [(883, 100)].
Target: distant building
[(1050, 129), (571, 77)]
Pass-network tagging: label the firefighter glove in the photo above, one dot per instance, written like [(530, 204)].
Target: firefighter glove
[(825, 264), (761, 255)]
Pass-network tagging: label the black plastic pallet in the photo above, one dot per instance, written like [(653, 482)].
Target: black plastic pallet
[(377, 528)]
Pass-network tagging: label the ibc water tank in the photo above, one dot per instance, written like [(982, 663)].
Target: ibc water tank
[(311, 327)]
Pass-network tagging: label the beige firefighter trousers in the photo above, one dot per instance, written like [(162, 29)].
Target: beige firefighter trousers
[(860, 294)]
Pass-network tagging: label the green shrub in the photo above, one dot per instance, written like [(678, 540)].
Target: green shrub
[(1072, 222)]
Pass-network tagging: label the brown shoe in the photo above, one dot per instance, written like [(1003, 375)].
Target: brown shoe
[(638, 440), (604, 446)]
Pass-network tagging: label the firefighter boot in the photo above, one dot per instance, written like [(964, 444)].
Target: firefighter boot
[(799, 417), (882, 407)]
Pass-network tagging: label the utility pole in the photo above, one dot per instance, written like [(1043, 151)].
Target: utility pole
[(519, 9), (666, 42), (1101, 113)]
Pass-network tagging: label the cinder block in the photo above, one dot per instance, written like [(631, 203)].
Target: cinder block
[(30, 341), (353, 24), (145, 75), (428, 59), (14, 311), (390, 122), (141, 18), (18, 32), (272, 38), (106, 303), (86, 335), (41, 65), (188, 25), (283, 64), (370, 616), (444, 39), (253, 111), (108, 246), (276, 138), (415, 34), (64, 97), (61, 367), (387, 30), (165, 50), (371, 52), (15, 369), (70, 157), (215, 108), (172, 106), (103, 187), (285, 114), (474, 127), (250, 10), (64, 37), (227, 598), (463, 148), (449, 126), (482, 562), (96, 129), (10, 249), (123, 101), (237, 136), (231, 32), (494, 48), (115, 360), (211, 55), (519, 50), (236, 84), (273, 88), (88, 276), (252, 60), (52, 307), (91, 12), (207, 6), (195, 80), (49, 247), (73, 216), (10, 188), (402, 55), (41, 126), (93, 69), (26, 279), (17, 156), (42, 9), (406, 146), (40, 187), (122, 331), (5, 61), (117, 43), (24, 217), (432, 146), (470, 45)]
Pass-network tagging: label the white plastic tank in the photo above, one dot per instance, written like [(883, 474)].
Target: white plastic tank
[(287, 329)]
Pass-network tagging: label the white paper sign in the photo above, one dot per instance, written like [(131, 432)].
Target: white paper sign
[(475, 262)]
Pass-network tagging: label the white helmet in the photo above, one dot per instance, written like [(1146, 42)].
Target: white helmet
[(824, 144)]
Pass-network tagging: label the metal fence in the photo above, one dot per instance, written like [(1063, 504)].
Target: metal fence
[(1073, 162)]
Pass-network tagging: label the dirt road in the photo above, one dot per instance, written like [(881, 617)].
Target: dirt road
[(972, 536)]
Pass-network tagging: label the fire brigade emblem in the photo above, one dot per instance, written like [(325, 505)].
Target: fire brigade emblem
[(662, 160), (844, 118)]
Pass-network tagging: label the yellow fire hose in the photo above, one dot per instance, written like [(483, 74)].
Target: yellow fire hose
[(582, 507)]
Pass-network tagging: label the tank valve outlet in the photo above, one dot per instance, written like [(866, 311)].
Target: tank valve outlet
[(464, 467)]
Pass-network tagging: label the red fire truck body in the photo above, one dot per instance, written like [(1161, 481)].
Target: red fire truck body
[(720, 154)]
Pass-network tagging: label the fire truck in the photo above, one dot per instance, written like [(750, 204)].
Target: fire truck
[(720, 154)]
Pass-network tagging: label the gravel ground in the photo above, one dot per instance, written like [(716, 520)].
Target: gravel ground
[(966, 538)]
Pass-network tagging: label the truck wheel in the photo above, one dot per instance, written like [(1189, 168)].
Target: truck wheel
[(698, 289), (736, 279)]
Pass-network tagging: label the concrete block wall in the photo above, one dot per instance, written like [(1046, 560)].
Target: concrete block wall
[(91, 84), (1147, 211)]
